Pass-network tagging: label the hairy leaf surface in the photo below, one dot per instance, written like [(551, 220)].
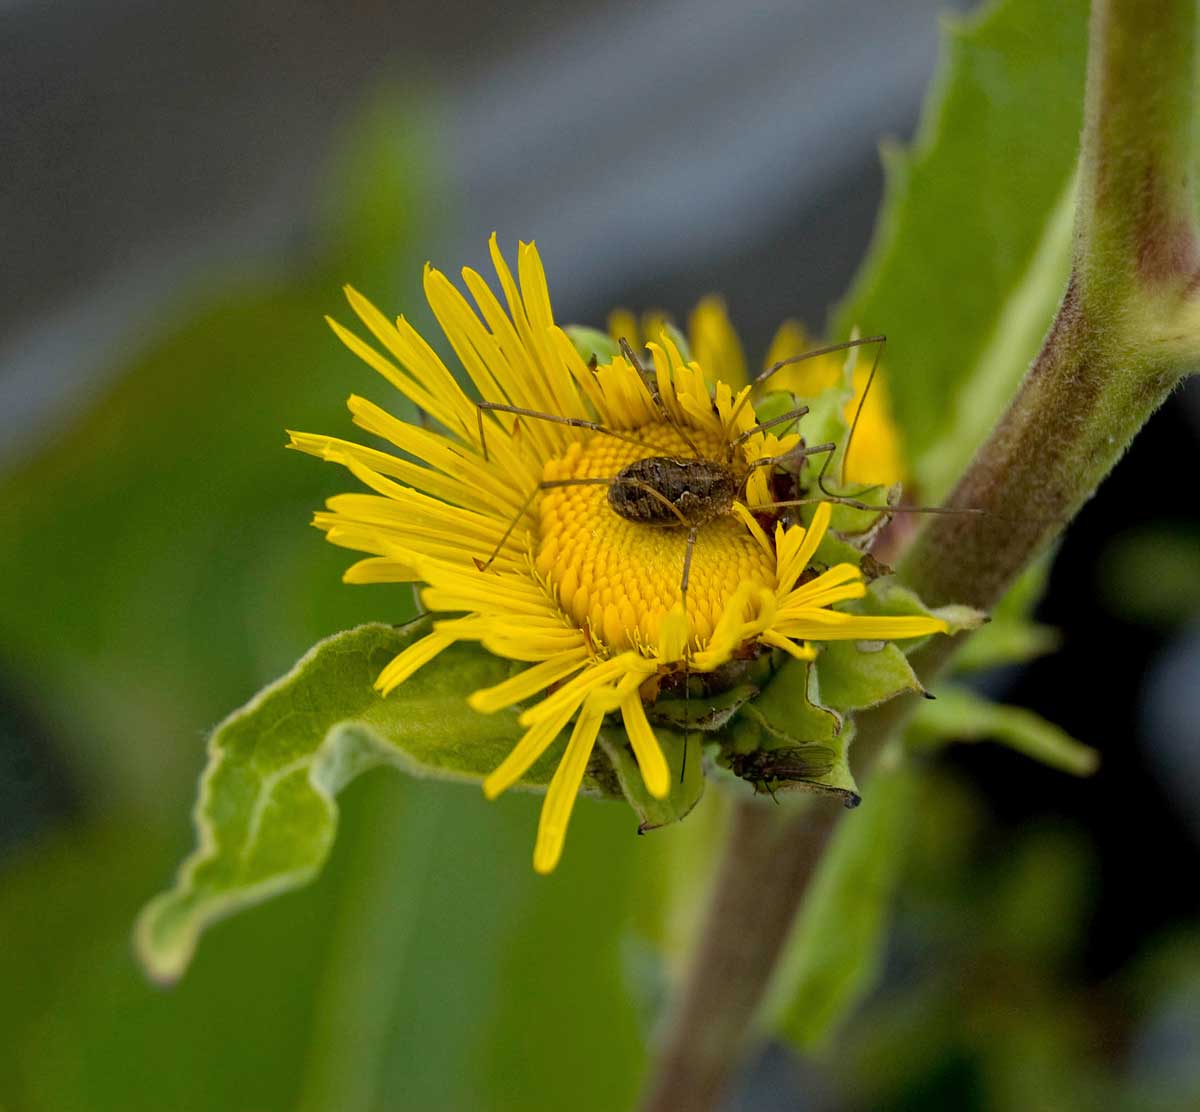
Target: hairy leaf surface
[(266, 815)]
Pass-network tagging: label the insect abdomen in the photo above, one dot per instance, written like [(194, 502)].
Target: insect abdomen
[(666, 491)]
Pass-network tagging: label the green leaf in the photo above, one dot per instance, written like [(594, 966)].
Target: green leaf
[(793, 700), (833, 955), (685, 758), (972, 247), (850, 678), (1006, 641), (959, 714), (833, 549), (1012, 637), (592, 343), (266, 816), (797, 732)]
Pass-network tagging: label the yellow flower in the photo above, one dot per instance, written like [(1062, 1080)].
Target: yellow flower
[(553, 575), (876, 452)]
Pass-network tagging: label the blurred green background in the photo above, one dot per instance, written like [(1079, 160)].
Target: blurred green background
[(191, 190)]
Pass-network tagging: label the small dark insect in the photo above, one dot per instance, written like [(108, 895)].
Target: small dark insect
[(769, 769)]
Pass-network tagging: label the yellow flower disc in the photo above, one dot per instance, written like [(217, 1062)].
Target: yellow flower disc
[(619, 578)]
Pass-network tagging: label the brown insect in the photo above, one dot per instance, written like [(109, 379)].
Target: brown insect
[(661, 490)]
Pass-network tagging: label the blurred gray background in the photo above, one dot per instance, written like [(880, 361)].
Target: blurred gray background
[(656, 152)]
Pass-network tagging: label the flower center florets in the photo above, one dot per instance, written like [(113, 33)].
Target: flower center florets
[(619, 578)]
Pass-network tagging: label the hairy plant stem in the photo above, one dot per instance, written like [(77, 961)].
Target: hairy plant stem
[(767, 855), (1126, 332)]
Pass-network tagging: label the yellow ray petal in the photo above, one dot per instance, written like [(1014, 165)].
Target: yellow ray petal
[(533, 744), (417, 655), (623, 325), (573, 691), (564, 788), (831, 625), (528, 683), (656, 774), (798, 545), (714, 343), (800, 652)]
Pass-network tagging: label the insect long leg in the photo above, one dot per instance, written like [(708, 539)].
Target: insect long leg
[(762, 426), (825, 469), (573, 422), (857, 505), (829, 349), (801, 451), (550, 484), (857, 414), (687, 567), (774, 368), (509, 531), (687, 686)]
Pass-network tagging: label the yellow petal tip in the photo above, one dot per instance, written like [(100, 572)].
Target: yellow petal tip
[(493, 787), (660, 789), (545, 860)]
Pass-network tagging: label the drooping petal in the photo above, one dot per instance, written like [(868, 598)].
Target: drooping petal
[(536, 740), (560, 796), (656, 774), (417, 655)]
